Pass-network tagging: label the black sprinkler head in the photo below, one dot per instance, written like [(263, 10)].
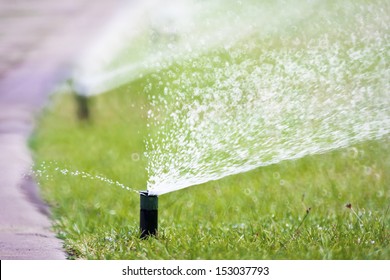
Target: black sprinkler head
[(148, 214)]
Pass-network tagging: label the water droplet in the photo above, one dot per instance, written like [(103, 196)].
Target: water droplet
[(135, 156)]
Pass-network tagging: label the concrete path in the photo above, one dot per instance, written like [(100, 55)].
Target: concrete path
[(39, 39)]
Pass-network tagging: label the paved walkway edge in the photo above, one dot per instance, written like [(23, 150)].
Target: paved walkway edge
[(25, 227), (40, 41)]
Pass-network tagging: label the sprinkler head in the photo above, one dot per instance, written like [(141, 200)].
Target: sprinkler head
[(83, 103), (148, 214)]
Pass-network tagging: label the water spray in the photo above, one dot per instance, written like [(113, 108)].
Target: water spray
[(148, 214)]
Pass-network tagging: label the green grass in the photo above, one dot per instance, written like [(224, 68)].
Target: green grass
[(262, 214)]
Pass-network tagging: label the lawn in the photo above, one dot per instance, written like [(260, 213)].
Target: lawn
[(291, 210), (327, 63)]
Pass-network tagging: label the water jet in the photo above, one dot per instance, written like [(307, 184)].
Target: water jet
[(148, 214)]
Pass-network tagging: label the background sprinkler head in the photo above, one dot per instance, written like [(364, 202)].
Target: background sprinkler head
[(148, 214), (82, 107)]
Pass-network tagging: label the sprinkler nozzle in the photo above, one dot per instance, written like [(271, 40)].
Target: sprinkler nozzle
[(148, 214)]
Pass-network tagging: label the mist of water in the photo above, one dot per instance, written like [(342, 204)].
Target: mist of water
[(235, 85), (148, 36), (319, 83)]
